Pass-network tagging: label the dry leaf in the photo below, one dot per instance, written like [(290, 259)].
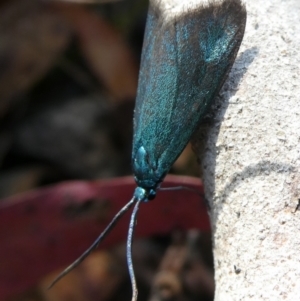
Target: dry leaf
[(32, 36), (104, 50)]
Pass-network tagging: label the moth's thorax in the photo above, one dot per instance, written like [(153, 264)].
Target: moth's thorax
[(147, 173)]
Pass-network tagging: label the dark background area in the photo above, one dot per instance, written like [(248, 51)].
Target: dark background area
[(68, 78)]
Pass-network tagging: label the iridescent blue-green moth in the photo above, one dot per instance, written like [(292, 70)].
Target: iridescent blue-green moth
[(185, 60)]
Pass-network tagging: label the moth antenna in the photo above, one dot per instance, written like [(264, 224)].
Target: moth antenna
[(95, 244), (129, 250)]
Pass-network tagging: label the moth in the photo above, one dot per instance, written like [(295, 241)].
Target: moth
[(186, 58)]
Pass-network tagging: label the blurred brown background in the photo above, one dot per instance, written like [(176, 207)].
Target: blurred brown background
[(68, 78)]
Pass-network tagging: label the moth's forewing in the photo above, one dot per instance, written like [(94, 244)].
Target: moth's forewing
[(185, 61)]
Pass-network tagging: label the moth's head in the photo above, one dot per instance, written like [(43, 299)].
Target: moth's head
[(143, 194)]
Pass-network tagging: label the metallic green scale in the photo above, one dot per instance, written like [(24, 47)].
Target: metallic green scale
[(184, 64)]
